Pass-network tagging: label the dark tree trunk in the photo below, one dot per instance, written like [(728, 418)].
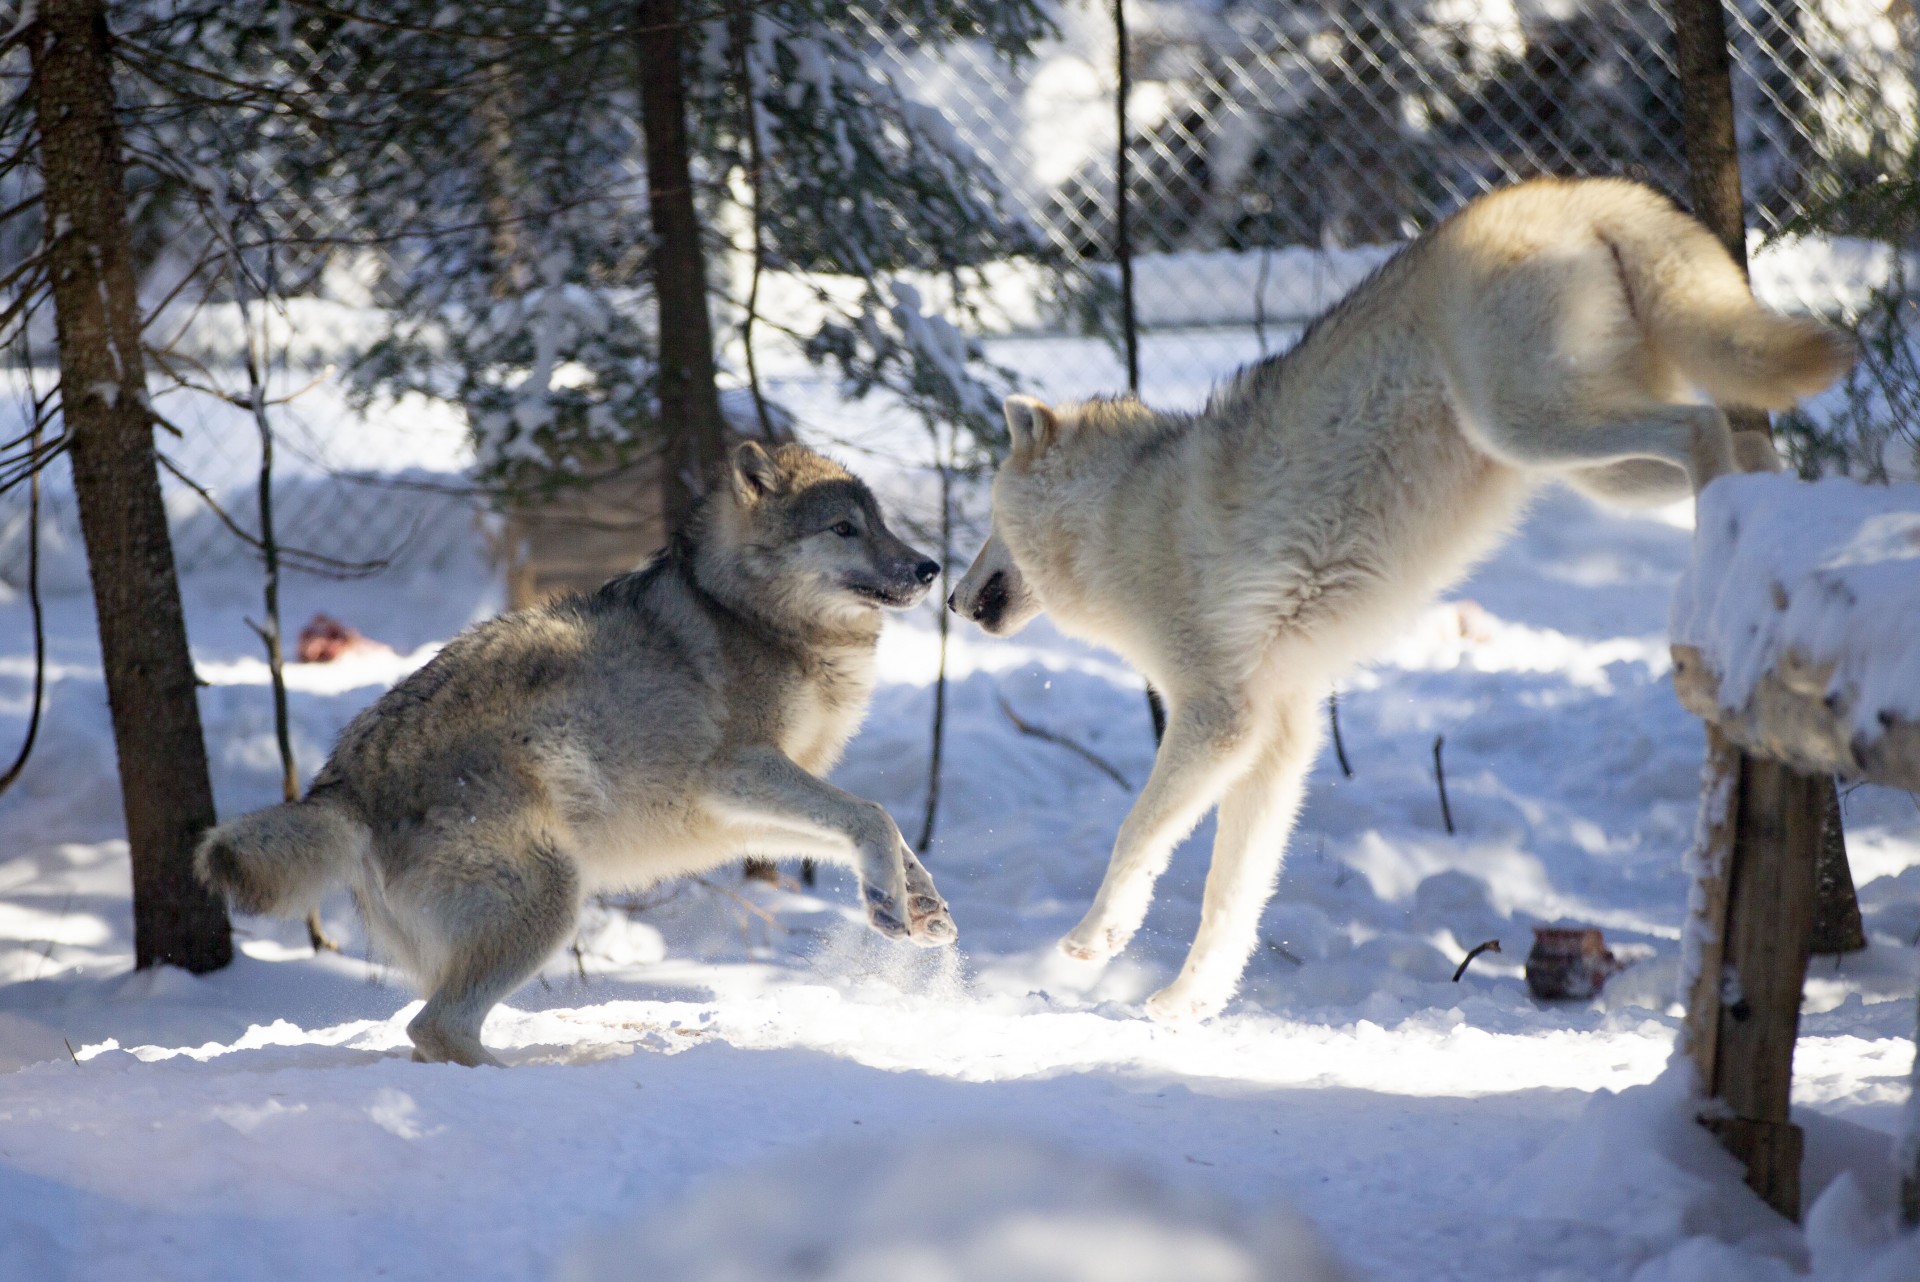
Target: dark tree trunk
[(1706, 115), (143, 636), (693, 434)]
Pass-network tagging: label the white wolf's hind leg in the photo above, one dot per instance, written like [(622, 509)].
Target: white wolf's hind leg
[(1249, 844), (1695, 438), (1204, 746), (499, 925)]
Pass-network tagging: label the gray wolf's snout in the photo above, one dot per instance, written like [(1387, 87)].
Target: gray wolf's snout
[(927, 571)]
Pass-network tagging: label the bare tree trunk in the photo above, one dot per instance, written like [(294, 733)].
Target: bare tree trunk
[(692, 430), (164, 786), (1706, 115)]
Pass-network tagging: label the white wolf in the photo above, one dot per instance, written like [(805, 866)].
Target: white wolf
[(678, 718), (1242, 557)]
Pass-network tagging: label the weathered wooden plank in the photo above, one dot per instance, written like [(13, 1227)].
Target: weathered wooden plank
[(1778, 820), (1703, 944), (1790, 718)]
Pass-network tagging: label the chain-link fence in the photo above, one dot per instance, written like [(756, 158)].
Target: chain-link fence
[(1278, 151), (1274, 147)]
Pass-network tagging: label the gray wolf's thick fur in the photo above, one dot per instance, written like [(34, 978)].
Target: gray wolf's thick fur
[(1241, 558), (679, 718)]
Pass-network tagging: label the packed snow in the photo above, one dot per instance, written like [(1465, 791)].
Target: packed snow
[(725, 1080)]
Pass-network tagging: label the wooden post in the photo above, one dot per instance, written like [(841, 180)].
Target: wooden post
[(1777, 822), (1743, 1012)]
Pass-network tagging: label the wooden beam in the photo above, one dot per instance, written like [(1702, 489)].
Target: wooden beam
[(1790, 717), (1779, 818)]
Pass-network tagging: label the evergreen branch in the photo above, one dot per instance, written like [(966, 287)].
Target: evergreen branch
[(540, 34)]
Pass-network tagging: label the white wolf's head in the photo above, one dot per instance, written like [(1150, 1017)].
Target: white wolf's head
[(803, 538), (994, 593)]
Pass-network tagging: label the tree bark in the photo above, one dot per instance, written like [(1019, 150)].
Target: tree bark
[(1706, 116), (693, 434), (164, 787)]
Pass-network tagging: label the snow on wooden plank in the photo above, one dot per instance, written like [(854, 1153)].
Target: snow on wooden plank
[(1796, 626)]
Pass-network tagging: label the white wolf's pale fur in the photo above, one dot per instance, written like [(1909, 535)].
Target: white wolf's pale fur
[(1243, 557)]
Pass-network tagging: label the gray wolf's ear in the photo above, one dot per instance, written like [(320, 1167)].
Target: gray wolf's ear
[(755, 474), (1031, 423)]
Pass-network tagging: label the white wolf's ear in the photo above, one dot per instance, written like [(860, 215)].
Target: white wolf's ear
[(1032, 425), (755, 473)]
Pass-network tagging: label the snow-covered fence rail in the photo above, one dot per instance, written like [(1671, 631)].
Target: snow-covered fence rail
[(1796, 629), (1796, 637)]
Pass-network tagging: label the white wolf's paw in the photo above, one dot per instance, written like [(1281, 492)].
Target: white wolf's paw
[(434, 1045), (1179, 1004), (1094, 943), (929, 924)]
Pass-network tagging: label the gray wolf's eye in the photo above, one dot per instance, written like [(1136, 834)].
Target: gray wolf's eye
[(844, 529)]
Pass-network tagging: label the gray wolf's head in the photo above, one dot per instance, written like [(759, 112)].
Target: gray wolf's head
[(994, 593), (805, 537)]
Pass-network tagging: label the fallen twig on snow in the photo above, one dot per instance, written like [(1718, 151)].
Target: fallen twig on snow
[(1489, 946), (1339, 744), (1086, 754)]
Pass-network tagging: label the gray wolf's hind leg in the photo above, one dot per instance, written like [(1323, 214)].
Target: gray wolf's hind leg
[(795, 813), (500, 922)]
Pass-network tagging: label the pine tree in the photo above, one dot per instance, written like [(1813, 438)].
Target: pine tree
[(496, 167)]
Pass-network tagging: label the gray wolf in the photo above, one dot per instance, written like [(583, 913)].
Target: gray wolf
[(679, 718), (1242, 557)]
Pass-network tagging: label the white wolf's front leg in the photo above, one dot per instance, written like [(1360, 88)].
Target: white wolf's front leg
[(794, 812), (1256, 816), (1204, 748)]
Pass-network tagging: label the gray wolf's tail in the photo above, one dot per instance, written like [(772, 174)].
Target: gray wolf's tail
[(282, 860), (1696, 303)]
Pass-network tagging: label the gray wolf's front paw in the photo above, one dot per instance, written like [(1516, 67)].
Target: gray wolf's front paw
[(883, 913), (930, 924)]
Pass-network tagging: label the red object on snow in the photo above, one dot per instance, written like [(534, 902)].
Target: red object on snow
[(1569, 963), (325, 639)]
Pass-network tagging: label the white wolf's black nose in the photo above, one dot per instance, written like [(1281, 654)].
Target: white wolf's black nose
[(927, 571)]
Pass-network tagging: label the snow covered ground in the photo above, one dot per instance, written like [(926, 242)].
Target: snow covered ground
[(730, 1081)]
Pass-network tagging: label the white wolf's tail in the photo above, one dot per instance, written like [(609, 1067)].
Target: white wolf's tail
[(282, 860), (1700, 312)]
